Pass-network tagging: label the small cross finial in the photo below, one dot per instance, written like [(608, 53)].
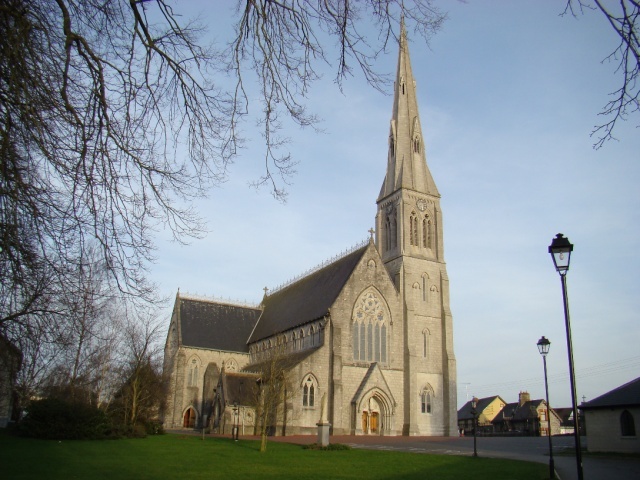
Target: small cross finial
[(371, 232), (266, 289)]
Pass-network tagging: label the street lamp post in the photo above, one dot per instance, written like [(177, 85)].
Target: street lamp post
[(234, 432), (543, 348), (474, 412), (560, 250)]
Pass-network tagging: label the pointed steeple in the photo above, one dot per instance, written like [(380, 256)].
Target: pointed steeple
[(407, 164)]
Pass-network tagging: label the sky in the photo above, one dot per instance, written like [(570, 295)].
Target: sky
[(509, 93)]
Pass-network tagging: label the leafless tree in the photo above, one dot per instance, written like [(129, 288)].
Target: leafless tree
[(141, 384), (285, 42), (624, 19), (90, 332), (97, 99), (274, 393)]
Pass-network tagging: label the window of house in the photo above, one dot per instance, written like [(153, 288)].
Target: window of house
[(627, 424), (308, 392)]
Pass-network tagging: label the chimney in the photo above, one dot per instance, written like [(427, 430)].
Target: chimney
[(523, 398)]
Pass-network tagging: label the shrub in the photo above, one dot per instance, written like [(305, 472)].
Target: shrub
[(330, 447), (154, 428), (57, 419)]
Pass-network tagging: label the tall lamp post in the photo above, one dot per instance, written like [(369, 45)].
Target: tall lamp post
[(560, 250), (474, 412), (543, 348)]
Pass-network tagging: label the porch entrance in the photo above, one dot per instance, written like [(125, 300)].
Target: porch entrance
[(189, 420), (371, 418)]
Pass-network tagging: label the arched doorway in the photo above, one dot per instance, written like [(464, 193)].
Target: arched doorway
[(189, 420), (372, 416)]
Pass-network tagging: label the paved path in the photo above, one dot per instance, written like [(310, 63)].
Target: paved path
[(531, 449)]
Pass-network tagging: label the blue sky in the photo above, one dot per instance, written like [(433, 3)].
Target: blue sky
[(508, 93)]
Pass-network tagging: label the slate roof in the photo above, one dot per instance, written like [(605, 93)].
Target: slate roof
[(517, 412), (239, 388), (307, 299), (565, 415), (216, 326), (285, 362), (627, 395)]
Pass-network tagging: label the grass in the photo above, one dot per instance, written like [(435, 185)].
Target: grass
[(189, 457)]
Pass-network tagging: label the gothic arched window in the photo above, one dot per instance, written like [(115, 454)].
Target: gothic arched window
[(309, 391), (392, 146), (416, 144), (394, 232), (370, 329), (413, 229), (425, 400), (425, 343), (627, 425), (192, 377)]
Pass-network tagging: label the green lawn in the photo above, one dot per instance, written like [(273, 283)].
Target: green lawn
[(189, 457)]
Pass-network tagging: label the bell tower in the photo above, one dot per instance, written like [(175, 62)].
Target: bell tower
[(410, 241)]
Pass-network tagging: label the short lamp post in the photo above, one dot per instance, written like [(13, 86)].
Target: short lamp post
[(543, 348), (474, 413), (560, 250), (234, 432)]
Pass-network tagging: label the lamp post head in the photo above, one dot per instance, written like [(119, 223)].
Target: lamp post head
[(543, 346), (474, 402), (560, 250)]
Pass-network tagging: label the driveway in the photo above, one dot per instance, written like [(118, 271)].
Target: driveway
[(531, 449)]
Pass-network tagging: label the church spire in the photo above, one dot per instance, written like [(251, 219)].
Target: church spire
[(407, 164)]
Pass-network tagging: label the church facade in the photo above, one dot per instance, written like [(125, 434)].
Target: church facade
[(368, 336)]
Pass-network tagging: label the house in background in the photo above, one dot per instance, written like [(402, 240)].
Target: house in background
[(612, 420), (567, 425), (487, 408), (526, 417)]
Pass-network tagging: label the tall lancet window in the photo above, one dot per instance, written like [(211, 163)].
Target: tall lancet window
[(387, 232), (416, 144), (427, 232), (392, 146), (370, 329), (394, 232), (413, 229)]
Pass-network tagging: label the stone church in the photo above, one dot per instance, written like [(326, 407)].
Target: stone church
[(367, 336)]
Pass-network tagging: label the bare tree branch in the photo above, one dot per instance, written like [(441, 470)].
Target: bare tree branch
[(625, 101)]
